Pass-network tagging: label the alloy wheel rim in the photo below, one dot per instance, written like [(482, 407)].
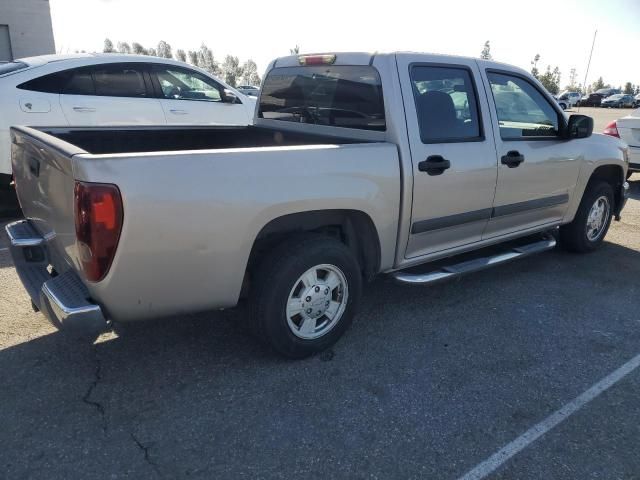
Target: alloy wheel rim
[(317, 301), (597, 218)]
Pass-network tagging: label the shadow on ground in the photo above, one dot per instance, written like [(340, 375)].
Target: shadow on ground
[(427, 382)]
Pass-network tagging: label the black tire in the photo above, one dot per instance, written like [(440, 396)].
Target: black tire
[(573, 236), (278, 273)]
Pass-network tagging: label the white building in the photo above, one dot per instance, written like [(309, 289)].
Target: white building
[(25, 29)]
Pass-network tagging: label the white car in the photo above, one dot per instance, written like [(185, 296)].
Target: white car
[(112, 89), (571, 97), (628, 129)]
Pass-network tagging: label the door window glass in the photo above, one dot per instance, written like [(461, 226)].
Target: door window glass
[(446, 104), (119, 80), (183, 84), (523, 111)]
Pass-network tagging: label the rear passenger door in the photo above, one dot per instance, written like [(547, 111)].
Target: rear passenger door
[(454, 161), (111, 94), (537, 168)]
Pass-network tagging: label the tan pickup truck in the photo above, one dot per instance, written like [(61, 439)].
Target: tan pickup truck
[(358, 164)]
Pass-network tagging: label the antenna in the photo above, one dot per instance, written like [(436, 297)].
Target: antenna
[(584, 85)]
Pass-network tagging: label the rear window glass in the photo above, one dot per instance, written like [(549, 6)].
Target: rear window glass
[(76, 81), (340, 96), (8, 67)]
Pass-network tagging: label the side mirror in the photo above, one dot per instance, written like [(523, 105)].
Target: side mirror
[(229, 97), (580, 126)]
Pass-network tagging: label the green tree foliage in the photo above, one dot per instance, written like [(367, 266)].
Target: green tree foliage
[(628, 88), (206, 60), (534, 65), (250, 73), (138, 49), (598, 84), (108, 46), (164, 49), (123, 47), (181, 55), (231, 70), (193, 57), (551, 79), (295, 50), (573, 86), (486, 51)]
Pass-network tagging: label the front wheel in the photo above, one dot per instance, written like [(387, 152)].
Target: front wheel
[(306, 294), (591, 223)]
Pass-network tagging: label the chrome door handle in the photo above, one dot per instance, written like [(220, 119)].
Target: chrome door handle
[(84, 109), (178, 112)]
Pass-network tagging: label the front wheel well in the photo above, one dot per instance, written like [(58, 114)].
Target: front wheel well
[(612, 174), (354, 228)]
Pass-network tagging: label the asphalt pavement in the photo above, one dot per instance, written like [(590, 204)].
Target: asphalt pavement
[(429, 382)]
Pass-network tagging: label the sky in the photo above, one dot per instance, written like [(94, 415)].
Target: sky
[(561, 31)]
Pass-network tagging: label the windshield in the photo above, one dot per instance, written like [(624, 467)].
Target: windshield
[(341, 96), (10, 67)]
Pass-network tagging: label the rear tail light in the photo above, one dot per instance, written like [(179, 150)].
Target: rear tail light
[(611, 129), (98, 218), (316, 59)]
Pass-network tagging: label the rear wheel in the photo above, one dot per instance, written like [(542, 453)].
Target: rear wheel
[(589, 227), (306, 294)]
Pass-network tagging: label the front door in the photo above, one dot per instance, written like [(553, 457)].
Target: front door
[(453, 155), (537, 169), (191, 98)]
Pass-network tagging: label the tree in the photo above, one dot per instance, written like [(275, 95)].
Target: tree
[(164, 49), (628, 88), (108, 46), (123, 47), (206, 61), (486, 51), (295, 50), (250, 73), (598, 84), (138, 49), (573, 76), (551, 80), (152, 52), (534, 63), (231, 70), (193, 57), (181, 55)]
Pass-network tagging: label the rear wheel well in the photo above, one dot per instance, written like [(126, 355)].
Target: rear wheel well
[(612, 174), (352, 227)]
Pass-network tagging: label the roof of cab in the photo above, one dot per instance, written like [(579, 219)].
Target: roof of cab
[(365, 58)]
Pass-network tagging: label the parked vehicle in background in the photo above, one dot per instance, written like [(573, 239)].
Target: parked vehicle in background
[(249, 90), (572, 97), (590, 100), (564, 104), (607, 92), (628, 129), (357, 164), (112, 89), (619, 100)]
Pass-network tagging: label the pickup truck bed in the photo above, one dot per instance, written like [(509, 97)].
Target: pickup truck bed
[(191, 214), (108, 140)]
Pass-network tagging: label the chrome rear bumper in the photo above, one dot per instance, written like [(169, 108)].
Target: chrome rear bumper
[(63, 298)]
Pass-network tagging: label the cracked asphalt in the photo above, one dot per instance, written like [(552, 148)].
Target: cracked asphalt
[(427, 383)]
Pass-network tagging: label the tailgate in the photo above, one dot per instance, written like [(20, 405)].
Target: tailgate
[(629, 129), (42, 168)]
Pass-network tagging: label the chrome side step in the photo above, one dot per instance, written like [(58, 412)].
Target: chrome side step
[(476, 264)]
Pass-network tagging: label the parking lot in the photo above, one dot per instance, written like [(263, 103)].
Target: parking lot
[(430, 382)]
